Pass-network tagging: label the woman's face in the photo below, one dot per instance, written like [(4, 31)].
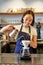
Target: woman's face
[(27, 20)]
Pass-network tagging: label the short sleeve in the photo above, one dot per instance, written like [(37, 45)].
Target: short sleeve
[(33, 31)]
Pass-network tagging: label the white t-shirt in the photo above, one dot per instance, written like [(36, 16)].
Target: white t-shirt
[(24, 29)]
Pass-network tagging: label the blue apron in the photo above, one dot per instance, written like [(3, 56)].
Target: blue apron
[(22, 36)]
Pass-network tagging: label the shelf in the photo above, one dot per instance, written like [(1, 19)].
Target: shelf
[(10, 13), (15, 13), (15, 23), (38, 12)]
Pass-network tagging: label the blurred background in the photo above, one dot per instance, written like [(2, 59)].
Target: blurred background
[(11, 12)]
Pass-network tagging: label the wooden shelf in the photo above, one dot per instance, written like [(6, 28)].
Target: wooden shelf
[(38, 12), (10, 13), (15, 13)]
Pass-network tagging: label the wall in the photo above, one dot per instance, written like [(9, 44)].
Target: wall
[(36, 4)]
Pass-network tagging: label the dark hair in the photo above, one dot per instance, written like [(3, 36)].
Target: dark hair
[(28, 12)]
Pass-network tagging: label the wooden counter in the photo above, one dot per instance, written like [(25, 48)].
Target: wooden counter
[(36, 59)]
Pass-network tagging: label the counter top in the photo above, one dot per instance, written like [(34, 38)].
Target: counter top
[(36, 59)]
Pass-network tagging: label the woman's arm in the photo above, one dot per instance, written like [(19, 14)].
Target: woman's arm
[(33, 42), (7, 29)]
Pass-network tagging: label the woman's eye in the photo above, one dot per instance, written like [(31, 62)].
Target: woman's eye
[(26, 19)]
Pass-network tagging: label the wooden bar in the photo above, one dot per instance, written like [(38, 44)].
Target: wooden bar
[(36, 59)]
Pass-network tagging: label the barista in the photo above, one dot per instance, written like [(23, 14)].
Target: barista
[(27, 30)]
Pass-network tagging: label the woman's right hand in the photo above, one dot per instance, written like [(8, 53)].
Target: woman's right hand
[(7, 29)]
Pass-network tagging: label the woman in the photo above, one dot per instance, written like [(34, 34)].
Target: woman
[(27, 31)]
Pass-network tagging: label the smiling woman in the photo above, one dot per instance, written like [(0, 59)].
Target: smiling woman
[(26, 28), (26, 32)]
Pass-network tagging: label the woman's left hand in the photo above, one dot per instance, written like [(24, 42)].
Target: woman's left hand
[(33, 44)]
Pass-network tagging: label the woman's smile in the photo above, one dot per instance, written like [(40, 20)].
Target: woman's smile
[(27, 20)]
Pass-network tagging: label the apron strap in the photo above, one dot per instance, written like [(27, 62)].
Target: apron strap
[(29, 29), (21, 30), (21, 27)]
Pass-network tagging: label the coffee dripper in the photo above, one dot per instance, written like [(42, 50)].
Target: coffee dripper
[(24, 53)]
